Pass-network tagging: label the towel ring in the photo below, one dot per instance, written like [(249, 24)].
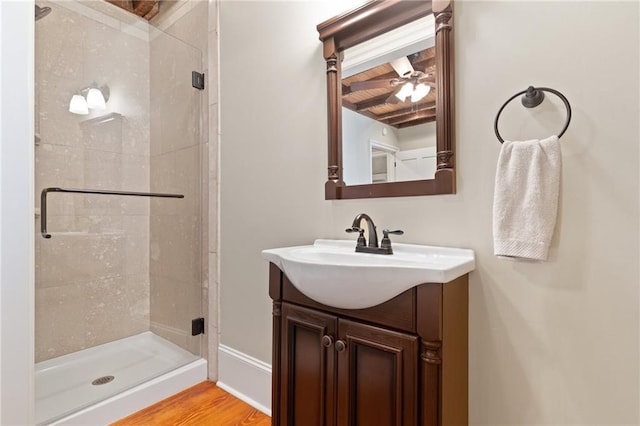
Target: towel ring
[(533, 97)]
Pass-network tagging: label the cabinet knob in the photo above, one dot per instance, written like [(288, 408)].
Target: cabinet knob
[(341, 346), (327, 341)]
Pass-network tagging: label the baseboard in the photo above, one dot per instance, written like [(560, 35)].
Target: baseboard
[(132, 400), (245, 377)]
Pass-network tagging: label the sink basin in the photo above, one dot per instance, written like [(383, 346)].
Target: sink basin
[(332, 273)]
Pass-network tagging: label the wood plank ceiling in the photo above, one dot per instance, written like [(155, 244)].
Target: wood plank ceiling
[(144, 8), (373, 103)]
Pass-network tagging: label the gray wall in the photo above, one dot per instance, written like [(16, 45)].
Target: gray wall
[(550, 343), (357, 132)]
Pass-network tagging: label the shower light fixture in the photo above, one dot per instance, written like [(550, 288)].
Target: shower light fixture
[(89, 97), (95, 99), (78, 105)]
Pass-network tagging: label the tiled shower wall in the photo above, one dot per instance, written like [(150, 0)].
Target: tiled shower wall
[(92, 277), (118, 265)]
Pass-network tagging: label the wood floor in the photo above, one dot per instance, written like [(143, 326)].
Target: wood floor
[(204, 404)]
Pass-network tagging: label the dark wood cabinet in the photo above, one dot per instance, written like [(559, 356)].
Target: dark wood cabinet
[(401, 363), (308, 363), (377, 368)]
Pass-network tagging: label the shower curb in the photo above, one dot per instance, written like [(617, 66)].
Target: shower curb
[(135, 399)]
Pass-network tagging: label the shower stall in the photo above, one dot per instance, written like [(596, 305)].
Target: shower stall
[(119, 228)]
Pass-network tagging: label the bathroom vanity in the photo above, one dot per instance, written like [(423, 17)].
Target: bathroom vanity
[(402, 362)]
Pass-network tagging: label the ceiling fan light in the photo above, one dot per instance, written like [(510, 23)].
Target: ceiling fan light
[(420, 92), (405, 91)]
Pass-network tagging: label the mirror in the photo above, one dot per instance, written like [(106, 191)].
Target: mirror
[(390, 100)]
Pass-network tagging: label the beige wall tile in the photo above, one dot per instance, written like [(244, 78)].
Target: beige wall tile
[(136, 131), (116, 307), (114, 171), (213, 140), (175, 104), (92, 276), (57, 126), (174, 304), (177, 172), (212, 67), (176, 118), (192, 27), (175, 245), (59, 328), (212, 319), (57, 165), (213, 178), (60, 50), (213, 216), (84, 314), (204, 348), (103, 135), (79, 257), (170, 12)]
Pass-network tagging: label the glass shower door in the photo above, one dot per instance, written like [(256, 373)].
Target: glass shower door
[(175, 263), (120, 280)]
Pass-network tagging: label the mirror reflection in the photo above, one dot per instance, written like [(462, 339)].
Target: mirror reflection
[(388, 106)]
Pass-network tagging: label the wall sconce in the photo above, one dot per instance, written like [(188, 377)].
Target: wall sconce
[(78, 105), (89, 97)]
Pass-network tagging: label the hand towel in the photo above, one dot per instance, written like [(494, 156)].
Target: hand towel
[(525, 202)]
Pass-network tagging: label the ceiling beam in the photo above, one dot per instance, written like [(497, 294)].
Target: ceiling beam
[(413, 108), (425, 64), (412, 117), (370, 103), (415, 122)]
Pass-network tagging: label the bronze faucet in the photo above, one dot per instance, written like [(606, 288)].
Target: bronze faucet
[(372, 247)]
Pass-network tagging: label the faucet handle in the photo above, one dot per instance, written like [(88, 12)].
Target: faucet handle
[(361, 240), (386, 242), (386, 232)]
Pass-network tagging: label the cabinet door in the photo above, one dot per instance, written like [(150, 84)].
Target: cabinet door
[(377, 376), (307, 367)]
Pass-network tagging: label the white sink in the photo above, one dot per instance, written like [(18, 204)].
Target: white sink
[(332, 273)]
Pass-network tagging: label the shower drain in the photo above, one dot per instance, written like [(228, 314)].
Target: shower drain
[(102, 380)]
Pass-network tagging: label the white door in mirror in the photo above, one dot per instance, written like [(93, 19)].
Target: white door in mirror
[(416, 164)]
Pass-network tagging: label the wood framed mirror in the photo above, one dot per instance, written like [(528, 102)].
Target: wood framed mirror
[(430, 66)]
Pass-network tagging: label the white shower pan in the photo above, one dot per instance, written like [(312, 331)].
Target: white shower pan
[(129, 374)]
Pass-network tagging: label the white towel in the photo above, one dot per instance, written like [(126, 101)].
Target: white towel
[(525, 202)]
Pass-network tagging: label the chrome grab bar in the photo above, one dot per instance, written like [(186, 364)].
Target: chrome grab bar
[(45, 191)]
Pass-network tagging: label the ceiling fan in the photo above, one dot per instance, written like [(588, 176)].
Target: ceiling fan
[(409, 83)]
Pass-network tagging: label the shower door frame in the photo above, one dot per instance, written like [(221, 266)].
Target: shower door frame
[(17, 232)]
